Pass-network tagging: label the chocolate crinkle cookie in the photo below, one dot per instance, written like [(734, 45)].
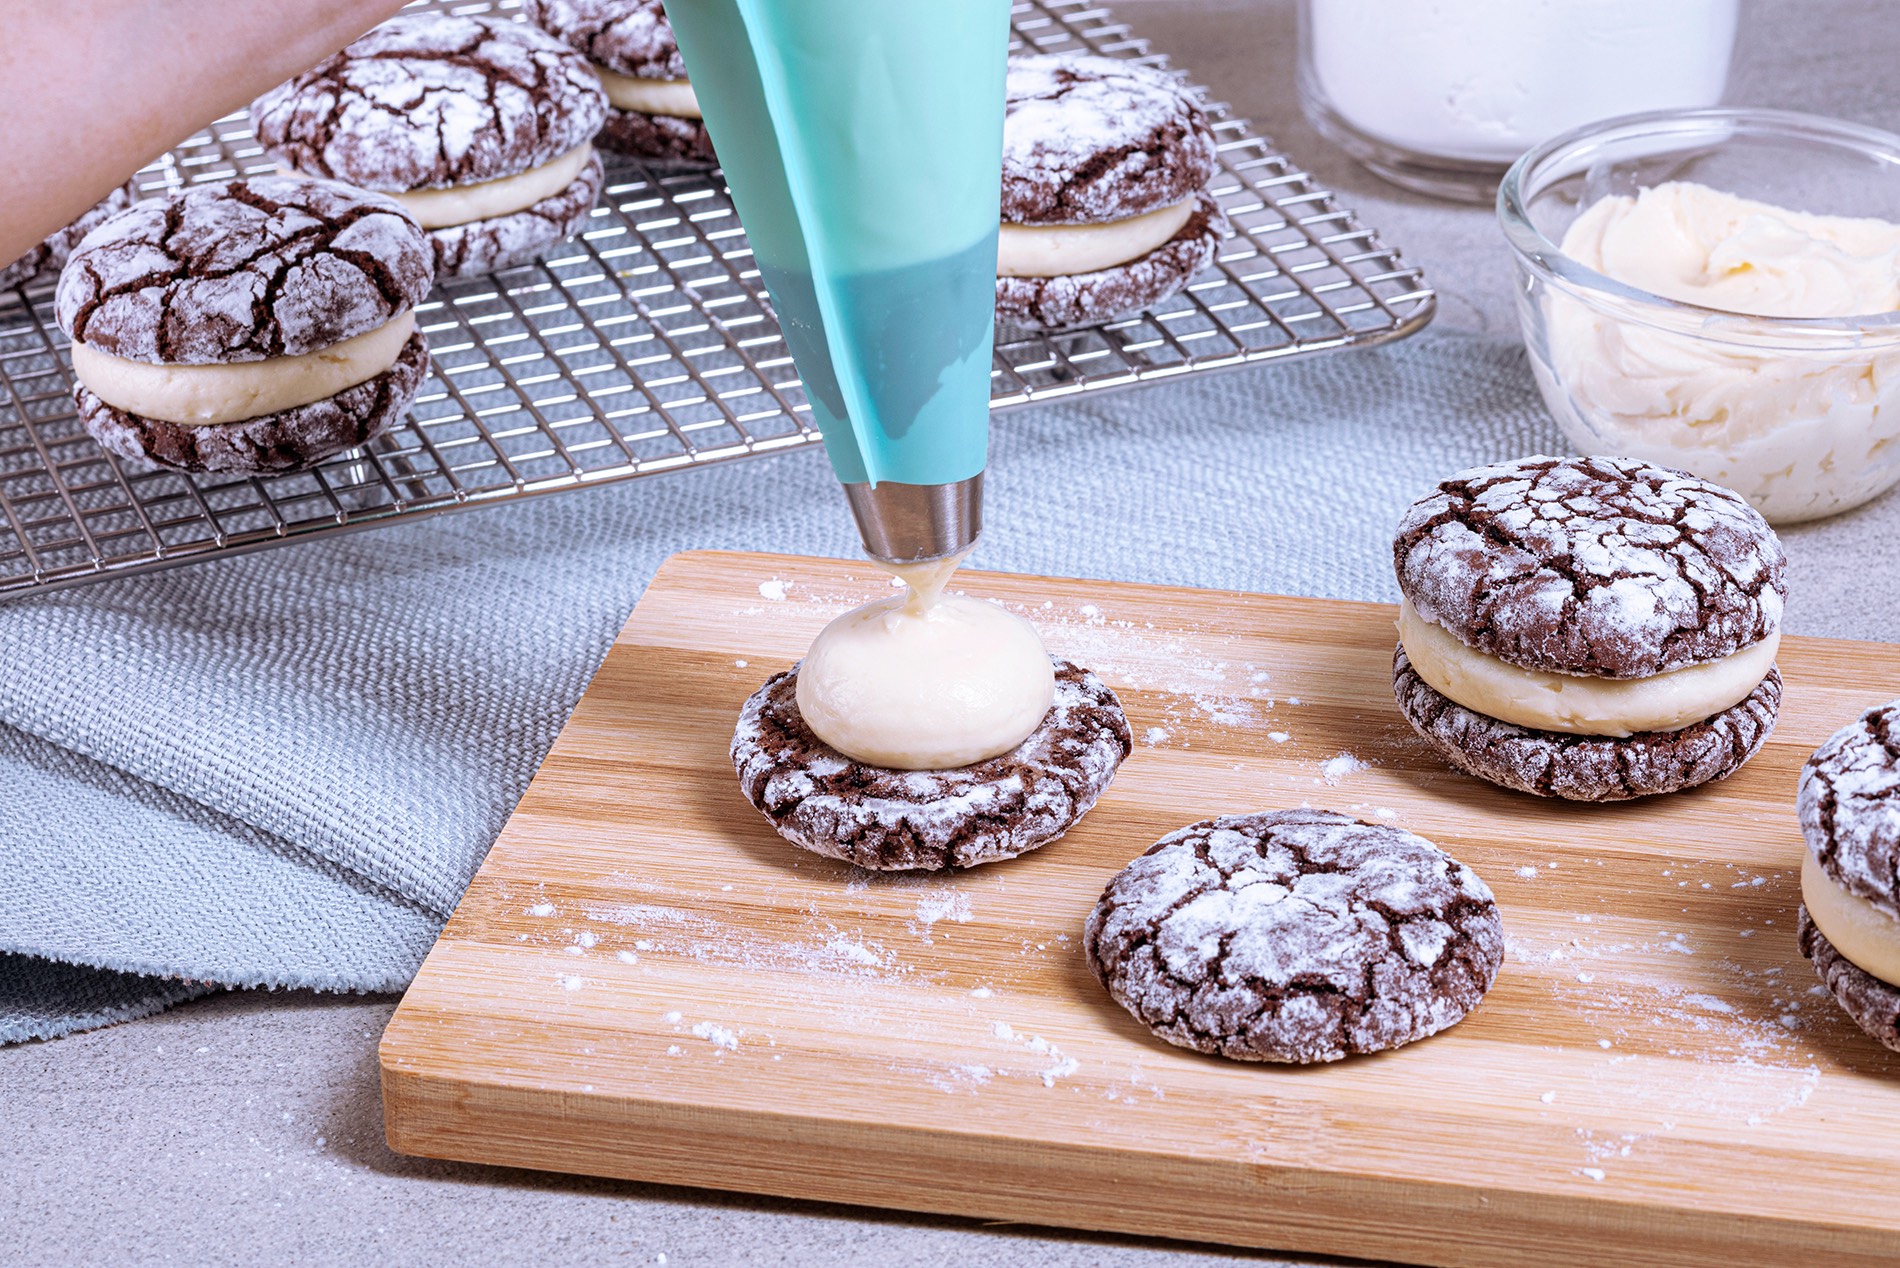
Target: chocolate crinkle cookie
[(1090, 139), (258, 275), (891, 820), (1295, 936), (1546, 599), (630, 41), (1602, 566), (46, 259), (243, 270), (1104, 205), (1848, 802), (433, 102), (627, 37)]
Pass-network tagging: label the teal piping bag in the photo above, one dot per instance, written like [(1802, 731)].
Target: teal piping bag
[(862, 140)]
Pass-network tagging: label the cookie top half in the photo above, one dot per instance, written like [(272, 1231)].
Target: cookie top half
[(243, 270), (1088, 139), (1607, 567), (1295, 935), (628, 37), (430, 100), (1849, 803)]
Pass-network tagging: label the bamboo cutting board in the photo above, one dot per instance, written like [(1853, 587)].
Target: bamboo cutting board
[(644, 981)]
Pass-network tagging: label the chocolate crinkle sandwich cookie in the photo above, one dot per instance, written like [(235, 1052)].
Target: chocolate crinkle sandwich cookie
[(253, 326), (50, 256), (651, 110), (1594, 629), (1849, 922), (481, 127), (1105, 207), (894, 820), (1295, 936)]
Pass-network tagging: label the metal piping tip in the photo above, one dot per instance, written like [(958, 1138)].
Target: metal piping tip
[(910, 523)]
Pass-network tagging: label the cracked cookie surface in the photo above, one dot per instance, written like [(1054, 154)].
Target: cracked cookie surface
[(53, 252), (1074, 299), (628, 37), (891, 820), (1088, 139), (430, 100), (243, 270), (1873, 1004), (1587, 767), (294, 439), (1295, 936), (1849, 804), (1599, 566)]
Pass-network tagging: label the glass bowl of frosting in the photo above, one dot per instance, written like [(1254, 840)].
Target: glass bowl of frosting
[(1719, 291)]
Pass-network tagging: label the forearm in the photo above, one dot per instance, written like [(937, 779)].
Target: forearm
[(91, 90)]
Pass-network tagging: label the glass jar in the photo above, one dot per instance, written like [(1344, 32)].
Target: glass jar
[(1440, 96), (1800, 415)]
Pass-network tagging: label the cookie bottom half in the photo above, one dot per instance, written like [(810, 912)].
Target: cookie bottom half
[(273, 444), (503, 242), (1873, 1005), (897, 820), (1079, 299), (1586, 767), (655, 136)]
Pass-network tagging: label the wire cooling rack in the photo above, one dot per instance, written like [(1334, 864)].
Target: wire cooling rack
[(647, 345)]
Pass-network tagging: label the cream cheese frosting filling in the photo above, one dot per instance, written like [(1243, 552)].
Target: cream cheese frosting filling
[(1797, 428), (1060, 250), (464, 204), (673, 97), (1574, 703), (205, 395), (926, 681), (1861, 931)]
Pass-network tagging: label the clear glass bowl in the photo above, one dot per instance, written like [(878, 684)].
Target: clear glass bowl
[(1799, 415)]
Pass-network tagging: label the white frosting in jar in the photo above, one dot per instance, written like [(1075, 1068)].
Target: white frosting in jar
[(926, 681), (1059, 250), (673, 97), (204, 395), (1574, 703), (464, 204), (1801, 431), (1862, 932), (1484, 80)]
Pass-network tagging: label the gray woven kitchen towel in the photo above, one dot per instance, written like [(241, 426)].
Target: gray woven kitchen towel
[(282, 770)]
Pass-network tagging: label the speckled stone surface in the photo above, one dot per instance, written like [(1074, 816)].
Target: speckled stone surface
[(256, 1117)]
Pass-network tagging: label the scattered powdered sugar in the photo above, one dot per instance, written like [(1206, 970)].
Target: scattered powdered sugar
[(541, 909), (1527, 872), (1155, 735), (1334, 769), (716, 1035), (570, 983), (1591, 1173), (1057, 1064), (950, 905), (982, 992), (774, 590), (1278, 737)]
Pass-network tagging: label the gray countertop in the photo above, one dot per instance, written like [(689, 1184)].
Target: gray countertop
[(248, 1126)]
